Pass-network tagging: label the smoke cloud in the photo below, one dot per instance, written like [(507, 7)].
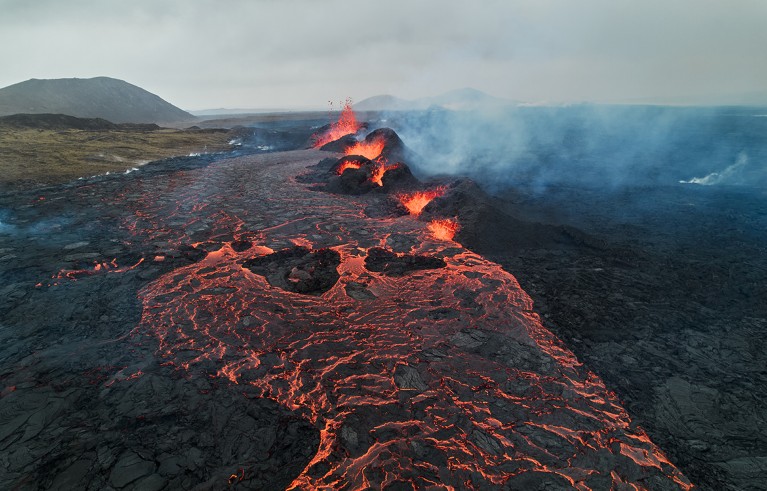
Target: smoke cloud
[(731, 175), (607, 147)]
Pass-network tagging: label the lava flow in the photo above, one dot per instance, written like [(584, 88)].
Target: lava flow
[(381, 168), (439, 378), (98, 267), (347, 124), (348, 164), (416, 202)]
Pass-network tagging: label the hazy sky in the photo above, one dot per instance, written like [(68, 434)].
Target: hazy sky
[(296, 53)]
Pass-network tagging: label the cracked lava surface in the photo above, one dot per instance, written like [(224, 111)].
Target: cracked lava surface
[(439, 378)]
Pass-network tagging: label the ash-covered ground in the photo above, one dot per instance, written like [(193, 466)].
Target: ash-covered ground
[(262, 321)]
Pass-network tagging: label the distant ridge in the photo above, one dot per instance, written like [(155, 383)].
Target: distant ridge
[(65, 122), (100, 97), (459, 99), (386, 103)]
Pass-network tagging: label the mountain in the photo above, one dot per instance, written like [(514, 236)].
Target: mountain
[(460, 99), (385, 103), (466, 99), (100, 97)]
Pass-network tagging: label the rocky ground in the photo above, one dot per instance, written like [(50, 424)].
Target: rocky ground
[(667, 303), (139, 351)]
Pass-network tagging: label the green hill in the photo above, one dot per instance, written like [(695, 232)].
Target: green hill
[(100, 97)]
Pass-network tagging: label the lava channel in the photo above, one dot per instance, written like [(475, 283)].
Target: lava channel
[(438, 378)]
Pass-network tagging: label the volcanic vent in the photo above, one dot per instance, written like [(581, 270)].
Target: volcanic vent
[(377, 163)]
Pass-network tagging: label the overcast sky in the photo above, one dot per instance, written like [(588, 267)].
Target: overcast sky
[(296, 53)]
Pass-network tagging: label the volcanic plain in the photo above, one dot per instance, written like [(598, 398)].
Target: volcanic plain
[(277, 316)]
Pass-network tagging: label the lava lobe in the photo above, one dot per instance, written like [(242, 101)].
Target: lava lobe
[(392, 264), (298, 269)]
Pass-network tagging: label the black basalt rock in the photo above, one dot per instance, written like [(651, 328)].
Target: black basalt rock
[(392, 264), (298, 269)]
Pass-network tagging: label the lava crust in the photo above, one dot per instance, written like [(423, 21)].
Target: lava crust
[(298, 269), (392, 264)]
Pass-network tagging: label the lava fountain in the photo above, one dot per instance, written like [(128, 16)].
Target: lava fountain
[(416, 202), (347, 124), (444, 229)]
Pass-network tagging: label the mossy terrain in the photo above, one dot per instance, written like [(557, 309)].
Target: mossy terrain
[(31, 157)]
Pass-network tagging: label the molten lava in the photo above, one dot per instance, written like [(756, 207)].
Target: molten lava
[(381, 168), (98, 267), (349, 164), (346, 125), (369, 150), (440, 378), (444, 229), (416, 202)]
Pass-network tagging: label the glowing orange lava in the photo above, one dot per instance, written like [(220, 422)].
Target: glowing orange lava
[(381, 168), (346, 125), (444, 379), (98, 267), (349, 164), (416, 202), (443, 229), (369, 150)]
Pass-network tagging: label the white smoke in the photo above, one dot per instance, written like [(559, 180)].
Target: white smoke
[(730, 175), (6, 228)]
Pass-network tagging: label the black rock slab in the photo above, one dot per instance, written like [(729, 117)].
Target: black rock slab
[(298, 269), (392, 264)]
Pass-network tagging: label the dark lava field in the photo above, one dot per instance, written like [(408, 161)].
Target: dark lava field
[(348, 317)]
